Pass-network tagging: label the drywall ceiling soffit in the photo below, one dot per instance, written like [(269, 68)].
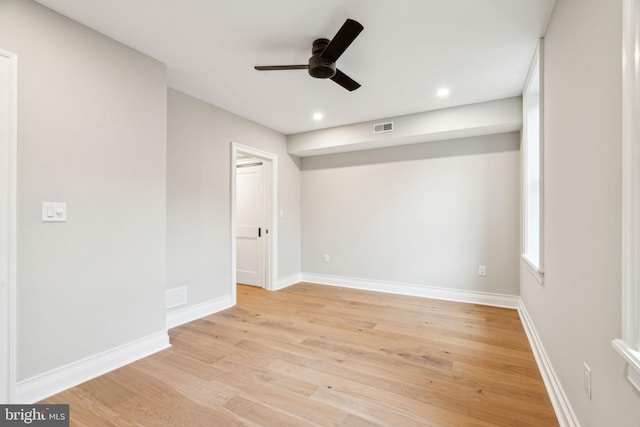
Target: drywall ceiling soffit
[(481, 50), (486, 118)]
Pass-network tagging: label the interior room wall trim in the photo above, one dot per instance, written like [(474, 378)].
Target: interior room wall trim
[(8, 217), (485, 298), (189, 314), (49, 383), (559, 400), (628, 343), (287, 281)]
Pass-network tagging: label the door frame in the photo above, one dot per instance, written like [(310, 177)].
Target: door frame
[(8, 198), (271, 170)]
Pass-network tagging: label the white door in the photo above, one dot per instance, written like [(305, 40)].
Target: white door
[(7, 123), (250, 231)]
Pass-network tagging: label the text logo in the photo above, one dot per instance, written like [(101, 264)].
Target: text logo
[(34, 415)]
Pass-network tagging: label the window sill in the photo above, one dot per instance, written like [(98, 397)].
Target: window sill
[(632, 357), (537, 273)]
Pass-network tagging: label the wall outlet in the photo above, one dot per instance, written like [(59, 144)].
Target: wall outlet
[(587, 381), (482, 270), (326, 258)]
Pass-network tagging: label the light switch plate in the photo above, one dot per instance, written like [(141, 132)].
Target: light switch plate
[(54, 212)]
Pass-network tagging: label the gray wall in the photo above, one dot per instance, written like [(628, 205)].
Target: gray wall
[(92, 133), (198, 195), (425, 214), (578, 310)]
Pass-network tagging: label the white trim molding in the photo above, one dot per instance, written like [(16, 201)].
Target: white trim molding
[(628, 346), (189, 314), (287, 281), (559, 400), (57, 380), (473, 297), (8, 237), (632, 357), (537, 273), (536, 70)]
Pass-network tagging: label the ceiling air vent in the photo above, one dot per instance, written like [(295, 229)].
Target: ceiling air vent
[(383, 127)]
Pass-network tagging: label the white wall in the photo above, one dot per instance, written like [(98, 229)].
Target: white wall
[(578, 310), (424, 214), (198, 195), (92, 133)]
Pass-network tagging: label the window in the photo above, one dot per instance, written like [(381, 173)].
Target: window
[(532, 138), (629, 344)]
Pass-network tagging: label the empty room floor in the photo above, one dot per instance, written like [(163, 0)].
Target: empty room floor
[(318, 355)]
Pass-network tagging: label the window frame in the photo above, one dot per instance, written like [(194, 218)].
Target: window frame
[(536, 68), (628, 346)]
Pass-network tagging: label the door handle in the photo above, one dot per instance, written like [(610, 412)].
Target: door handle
[(259, 232)]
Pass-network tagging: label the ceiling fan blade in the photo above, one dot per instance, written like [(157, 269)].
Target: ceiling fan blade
[(341, 41), (345, 81), (280, 67)]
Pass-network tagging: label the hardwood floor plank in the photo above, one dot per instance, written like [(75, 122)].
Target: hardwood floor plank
[(87, 411), (354, 421), (313, 355), (267, 377), (287, 402), (167, 406), (429, 414), (196, 387), (450, 397), (371, 412), (261, 414)]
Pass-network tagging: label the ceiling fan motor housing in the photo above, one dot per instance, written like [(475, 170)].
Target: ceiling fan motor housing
[(324, 54), (318, 67)]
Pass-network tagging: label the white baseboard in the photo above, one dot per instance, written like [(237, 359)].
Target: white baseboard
[(474, 297), (559, 400), (189, 314), (287, 281), (49, 383)]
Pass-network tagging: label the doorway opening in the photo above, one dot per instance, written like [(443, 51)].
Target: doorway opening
[(252, 206), (254, 233)]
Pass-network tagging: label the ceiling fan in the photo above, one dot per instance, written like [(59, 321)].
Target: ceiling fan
[(325, 53)]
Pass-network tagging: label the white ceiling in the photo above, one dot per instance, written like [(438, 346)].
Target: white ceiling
[(480, 49)]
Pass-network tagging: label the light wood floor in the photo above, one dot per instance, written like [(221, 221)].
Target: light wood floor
[(316, 355)]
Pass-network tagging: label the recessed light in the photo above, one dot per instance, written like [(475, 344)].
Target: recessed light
[(443, 92), (317, 117)]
